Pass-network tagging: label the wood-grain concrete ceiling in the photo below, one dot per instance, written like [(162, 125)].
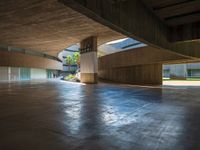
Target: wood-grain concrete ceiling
[(47, 26), (175, 12)]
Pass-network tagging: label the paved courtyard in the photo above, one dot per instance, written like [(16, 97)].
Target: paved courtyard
[(181, 83), (55, 115)]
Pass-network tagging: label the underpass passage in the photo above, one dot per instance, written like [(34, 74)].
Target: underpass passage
[(62, 115), (50, 26)]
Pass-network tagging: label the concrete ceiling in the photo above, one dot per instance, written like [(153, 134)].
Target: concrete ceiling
[(175, 12), (47, 26)]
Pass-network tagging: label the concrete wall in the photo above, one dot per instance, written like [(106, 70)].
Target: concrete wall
[(15, 59), (141, 75), (137, 66)]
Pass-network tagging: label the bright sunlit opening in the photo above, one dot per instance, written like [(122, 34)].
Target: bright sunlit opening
[(68, 82), (117, 41)]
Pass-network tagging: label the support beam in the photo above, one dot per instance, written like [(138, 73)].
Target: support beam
[(89, 63), (134, 19), (15, 59), (187, 32), (140, 56)]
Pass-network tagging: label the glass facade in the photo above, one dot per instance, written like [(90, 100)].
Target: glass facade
[(25, 74)]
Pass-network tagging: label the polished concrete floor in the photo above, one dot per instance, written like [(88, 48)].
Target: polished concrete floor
[(54, 115)]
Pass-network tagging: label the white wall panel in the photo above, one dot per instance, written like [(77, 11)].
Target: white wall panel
[(38, 73), (14, 74)]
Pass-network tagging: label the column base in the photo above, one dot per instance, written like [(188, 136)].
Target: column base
[(90, 78)]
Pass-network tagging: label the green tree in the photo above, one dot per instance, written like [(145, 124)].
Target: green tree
[(76, 58), (69, 61)]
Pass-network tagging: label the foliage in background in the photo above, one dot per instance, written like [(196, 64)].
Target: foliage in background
[(72, 60), (69, 77), (76, 58), (69, 61)]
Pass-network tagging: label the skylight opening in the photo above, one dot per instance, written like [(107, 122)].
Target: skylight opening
[(116, 41)]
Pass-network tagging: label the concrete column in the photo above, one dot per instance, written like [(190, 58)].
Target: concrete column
[(89, 62)]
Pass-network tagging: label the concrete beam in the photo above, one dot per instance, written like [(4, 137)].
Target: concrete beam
[(140, 56), (187, 32), (134, 19), (15, 59)]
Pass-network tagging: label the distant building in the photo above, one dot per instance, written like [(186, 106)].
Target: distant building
[(69, 51), (182, 70)]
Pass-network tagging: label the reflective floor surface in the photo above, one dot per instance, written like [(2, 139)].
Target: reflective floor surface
[(55, 115)]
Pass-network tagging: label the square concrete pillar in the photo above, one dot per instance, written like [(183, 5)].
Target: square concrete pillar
[(89, 62)]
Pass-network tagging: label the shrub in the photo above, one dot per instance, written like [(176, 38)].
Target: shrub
[(70, 77)]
